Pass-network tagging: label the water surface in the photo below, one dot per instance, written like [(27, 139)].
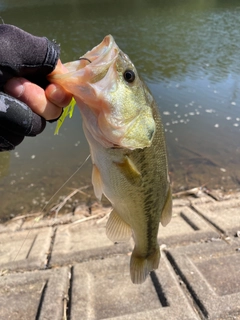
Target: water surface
[(188, 53)]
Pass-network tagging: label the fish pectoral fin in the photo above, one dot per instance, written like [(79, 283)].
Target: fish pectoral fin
[(167, 209), (116, 229), (97, 182), (140, 267), (129, 170)]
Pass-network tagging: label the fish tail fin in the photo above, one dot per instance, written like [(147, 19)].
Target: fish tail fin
[(140, 267)]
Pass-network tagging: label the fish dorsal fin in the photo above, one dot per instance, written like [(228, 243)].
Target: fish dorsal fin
[(167, 210), (116, 229), (130, 171), (97, 182)]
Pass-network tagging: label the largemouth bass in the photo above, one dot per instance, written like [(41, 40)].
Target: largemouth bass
[(126, 138)]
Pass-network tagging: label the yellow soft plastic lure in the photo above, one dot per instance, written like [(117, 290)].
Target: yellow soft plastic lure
[(67, 111)]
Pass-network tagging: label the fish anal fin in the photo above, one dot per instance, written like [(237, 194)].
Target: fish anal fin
[(167, 209), (129, 170), (97, 182), (140, 267), (117, 230)]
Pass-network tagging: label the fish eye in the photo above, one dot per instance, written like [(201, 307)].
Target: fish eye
[(129, 76)]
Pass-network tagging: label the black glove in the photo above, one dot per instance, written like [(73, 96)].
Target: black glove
[(22, 55)]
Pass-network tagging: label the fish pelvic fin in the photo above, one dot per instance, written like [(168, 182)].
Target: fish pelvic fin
[(167, 209), (97, 182), (117, 230), (140, 267)]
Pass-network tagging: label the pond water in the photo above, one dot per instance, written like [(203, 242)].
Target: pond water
[(188, 53)]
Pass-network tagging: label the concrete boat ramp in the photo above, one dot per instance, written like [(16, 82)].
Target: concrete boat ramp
[(66, 268)]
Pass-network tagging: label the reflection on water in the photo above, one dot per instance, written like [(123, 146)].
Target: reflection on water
[(187, 52)]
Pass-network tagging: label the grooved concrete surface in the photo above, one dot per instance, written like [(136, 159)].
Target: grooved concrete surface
[(62, 269)]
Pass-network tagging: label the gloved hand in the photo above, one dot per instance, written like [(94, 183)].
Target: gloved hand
[(30, 59)]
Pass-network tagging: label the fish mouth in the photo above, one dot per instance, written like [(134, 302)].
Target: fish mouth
[(105, 51), (102, 57), (89, 70), (94, 64)]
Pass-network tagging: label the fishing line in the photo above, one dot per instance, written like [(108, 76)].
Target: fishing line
[(75, 172)]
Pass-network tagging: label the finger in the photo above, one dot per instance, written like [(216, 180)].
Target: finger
[(35, 97), (59, 69), (57, 95)]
